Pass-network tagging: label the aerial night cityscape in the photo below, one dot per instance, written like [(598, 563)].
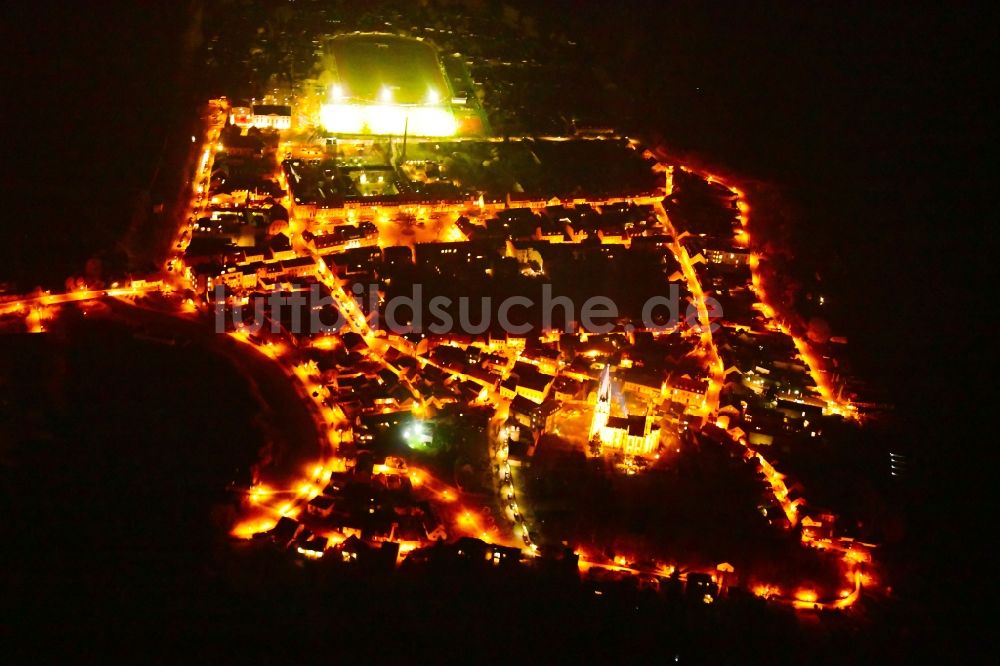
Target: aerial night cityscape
[(485, 330)]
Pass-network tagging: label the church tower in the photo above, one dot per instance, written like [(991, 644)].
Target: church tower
[(602, 410)]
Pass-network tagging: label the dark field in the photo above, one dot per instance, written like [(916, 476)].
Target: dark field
[(116, 456)]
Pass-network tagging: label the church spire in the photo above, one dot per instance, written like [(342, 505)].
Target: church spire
[(602, 410)]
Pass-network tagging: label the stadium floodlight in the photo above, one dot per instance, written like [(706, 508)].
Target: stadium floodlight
[(417, 435), (387, 119)]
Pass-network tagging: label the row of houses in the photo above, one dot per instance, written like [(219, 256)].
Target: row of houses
[(252, 274), (344, 237)]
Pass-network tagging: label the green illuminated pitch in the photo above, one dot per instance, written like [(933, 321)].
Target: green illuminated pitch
[(369, 65)]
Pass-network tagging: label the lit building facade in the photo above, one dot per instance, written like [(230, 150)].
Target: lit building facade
[(687, 391), (272, 116), (262, 116)]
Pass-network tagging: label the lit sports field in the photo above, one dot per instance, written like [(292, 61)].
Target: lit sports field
[(385, 84), (368, 64)]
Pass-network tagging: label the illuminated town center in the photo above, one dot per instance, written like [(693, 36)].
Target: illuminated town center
[(380, 175)]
